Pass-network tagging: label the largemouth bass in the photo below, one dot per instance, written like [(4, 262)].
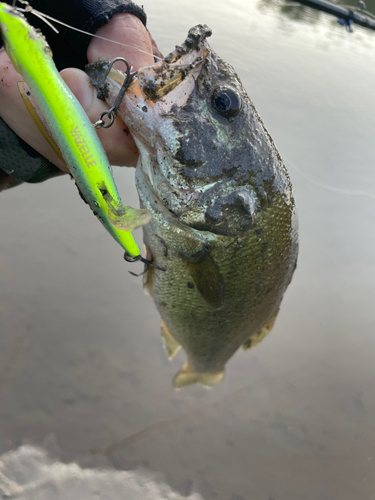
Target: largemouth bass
[(223, 233)]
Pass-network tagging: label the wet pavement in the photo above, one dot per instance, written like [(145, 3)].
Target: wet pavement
[(83, 374)]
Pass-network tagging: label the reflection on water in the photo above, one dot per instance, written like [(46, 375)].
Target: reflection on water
[(318, 27), (295, 12), (83, 373)]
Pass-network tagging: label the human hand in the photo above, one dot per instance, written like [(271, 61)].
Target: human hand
[(117, 142)]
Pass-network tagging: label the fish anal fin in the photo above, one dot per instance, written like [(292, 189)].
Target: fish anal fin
[(207, 277), (257, 337), (186, 376), (170, 343)]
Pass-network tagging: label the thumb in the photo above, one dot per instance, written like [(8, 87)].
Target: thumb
[(134, 42), (135, 46)]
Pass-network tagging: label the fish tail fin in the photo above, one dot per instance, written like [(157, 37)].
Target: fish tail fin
[(186, 376)]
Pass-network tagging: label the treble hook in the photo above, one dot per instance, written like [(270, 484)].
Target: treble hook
[(112, 113), (147, 263)]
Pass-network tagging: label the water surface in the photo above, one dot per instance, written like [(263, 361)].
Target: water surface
[(82, 369)]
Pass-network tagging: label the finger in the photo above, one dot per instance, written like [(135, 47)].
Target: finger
[(136, 48), (128, 30), (15, 114), (116, 140)]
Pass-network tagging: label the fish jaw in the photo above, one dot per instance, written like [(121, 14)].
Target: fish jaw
[(148, 109)]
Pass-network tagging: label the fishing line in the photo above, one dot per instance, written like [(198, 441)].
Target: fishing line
[(337, 190), (44, 17)]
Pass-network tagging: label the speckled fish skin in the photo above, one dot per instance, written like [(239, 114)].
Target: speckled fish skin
[(224, 225)]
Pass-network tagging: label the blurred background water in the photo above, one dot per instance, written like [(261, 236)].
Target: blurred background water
[(82, 369)]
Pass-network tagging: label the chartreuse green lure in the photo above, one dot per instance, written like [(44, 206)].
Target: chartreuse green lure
[(70, 128)]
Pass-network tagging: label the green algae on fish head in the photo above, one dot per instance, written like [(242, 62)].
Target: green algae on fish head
[(224, 226)]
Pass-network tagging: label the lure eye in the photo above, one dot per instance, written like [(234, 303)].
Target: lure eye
[(226, 102)]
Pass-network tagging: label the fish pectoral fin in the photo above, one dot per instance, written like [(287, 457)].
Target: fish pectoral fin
[(207, 277), (257, 337), (195, 251), (170, 343), (186, 376)]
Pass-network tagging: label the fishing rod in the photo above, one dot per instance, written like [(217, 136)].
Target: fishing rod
[(347, 14)]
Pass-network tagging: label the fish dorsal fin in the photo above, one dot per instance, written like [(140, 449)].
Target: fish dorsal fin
[(207, 277), (170, 343), (186, 376), (257, 337)]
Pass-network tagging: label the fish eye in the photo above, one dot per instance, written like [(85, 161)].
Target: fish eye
[(226, 102)]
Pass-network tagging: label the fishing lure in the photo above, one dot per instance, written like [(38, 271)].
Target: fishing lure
[(71, 129)]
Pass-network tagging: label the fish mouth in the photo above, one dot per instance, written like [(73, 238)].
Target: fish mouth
[(166, 78), (149, 108), (166, 86), (185, 60), (162, 77)]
